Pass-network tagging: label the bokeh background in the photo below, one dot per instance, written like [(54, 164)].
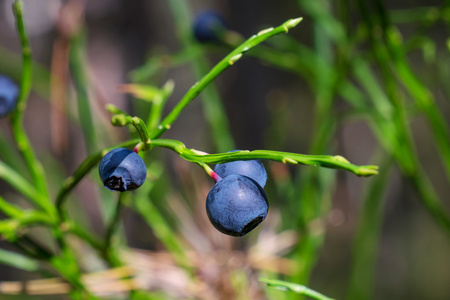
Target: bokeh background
[(268, 105)]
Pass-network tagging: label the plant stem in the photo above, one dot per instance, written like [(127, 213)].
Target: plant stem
[(229, 60), (123, 120), (22, 141), (327, 161)]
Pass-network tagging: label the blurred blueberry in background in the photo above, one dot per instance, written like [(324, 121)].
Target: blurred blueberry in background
[(9, 91), (208, 26)]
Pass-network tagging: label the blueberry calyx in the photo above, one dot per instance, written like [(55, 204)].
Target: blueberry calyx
[(115, 183)]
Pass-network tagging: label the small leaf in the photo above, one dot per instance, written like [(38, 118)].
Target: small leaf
[(294, 287), (18, 261), (140, 91)]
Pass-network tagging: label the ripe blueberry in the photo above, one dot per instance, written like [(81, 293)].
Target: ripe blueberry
[(250, 168), (236, 205), (208, 26), (9, 91), (122, 170)]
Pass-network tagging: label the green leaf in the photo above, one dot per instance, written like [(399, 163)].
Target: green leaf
[(296, 288), (17, 260), (141, 91)]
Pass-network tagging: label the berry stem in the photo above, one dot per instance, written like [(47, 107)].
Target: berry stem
[(327, 161), (210, 172)]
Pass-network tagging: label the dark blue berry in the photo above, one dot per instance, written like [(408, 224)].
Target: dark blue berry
[(250, 168), (208, 26), (122, 170), (9, 91), (236, 205)]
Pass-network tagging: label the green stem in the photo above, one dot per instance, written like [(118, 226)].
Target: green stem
[(327, 161), (139, 124), (10, 209), (229, 60), (10, 65), (22, 141), (32, 218)]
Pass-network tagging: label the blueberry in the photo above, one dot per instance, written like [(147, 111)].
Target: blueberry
[(236, 205), (250, 168), (9, 91), (122, 170), (208, 26)]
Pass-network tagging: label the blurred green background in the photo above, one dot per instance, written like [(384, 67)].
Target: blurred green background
[(367, 80)]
